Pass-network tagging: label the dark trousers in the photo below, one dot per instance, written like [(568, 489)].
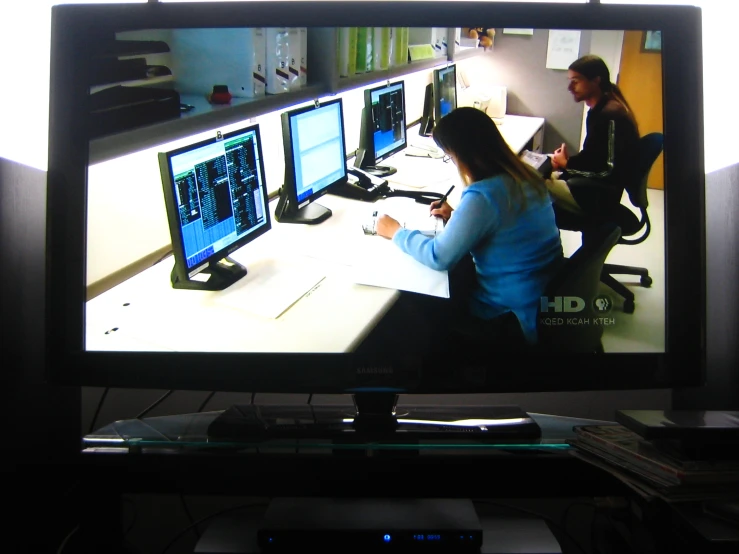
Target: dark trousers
[(598, 200), (424, 325)]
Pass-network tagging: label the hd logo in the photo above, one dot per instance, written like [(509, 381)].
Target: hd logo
[(559, 304), (573, 304)]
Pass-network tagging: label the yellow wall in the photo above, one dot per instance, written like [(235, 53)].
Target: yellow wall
[(640, 80)]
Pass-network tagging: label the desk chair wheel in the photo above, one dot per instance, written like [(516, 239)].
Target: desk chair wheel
[(645, 281), (629, 306)]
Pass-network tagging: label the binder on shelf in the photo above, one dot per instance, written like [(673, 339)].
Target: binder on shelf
[(278, 60), (347, 51), (399, 45), (381, 48), (113, 48), (293, 68), (303, 56), (364, 49)]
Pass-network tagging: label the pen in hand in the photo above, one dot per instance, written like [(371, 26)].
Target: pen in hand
[(439, 203)]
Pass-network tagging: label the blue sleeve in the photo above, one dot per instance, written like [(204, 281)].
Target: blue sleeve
[(470, 222)]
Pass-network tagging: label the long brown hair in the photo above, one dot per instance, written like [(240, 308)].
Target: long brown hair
[(590, 67), (473, 138)]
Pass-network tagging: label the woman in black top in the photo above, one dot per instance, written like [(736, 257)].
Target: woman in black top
[(592, 181)]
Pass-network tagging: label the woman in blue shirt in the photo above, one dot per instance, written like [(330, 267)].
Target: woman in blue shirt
[(504, 220)]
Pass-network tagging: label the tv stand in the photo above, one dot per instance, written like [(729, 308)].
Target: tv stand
[(374, 417)]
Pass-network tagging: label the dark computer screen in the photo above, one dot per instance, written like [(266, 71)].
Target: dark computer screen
[(388, 118), (445, 93), (219, 193)]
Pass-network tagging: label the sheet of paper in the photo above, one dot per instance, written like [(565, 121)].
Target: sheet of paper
[(271, 287), (381, 263), (563, 48)]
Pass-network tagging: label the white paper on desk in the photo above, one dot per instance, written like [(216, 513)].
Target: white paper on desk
[(271, 287), (380, 263), (563, 48)]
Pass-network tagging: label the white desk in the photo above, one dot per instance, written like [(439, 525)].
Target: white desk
[(335, 316)]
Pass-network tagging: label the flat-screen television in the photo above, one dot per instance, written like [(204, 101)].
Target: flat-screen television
[(216, 200), (383, 127), (315, 160), (316, 346)]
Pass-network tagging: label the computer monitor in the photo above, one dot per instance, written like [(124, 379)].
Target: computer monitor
[(294, 362), (383, 128), (315, 160), (216, 200), (445, 90)]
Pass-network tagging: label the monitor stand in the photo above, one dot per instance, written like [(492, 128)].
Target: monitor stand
[(223, 273), (310, 214), (380, 170), (374, 417)]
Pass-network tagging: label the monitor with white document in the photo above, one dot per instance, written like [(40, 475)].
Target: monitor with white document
[(216, 200), (315, 160)]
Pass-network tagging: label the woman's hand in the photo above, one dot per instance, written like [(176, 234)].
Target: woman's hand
[(560, 156), (444, 211), (387, 226)]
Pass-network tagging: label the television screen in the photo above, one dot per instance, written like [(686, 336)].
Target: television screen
[(115, 319)]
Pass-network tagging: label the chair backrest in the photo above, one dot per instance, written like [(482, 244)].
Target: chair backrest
[(650, 147), (576, 287)]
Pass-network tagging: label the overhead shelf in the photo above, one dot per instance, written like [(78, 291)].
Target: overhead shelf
[(361, 79), (203, 117), (465, 53)]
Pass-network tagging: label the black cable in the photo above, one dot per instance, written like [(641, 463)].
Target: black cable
[(534, 514), (206, 518), (252, 397), (97, 410), (133, 518), (310, 397), (566, 513), (155, 404), (66, 540), (189, 516), (205, 402)]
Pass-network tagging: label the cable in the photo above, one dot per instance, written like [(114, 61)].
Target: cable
[(563, 522), (155, 404), (205, 402), (97, 410), (538, 515), (206, 518), (189, 516), (310, 397), (66, 539)]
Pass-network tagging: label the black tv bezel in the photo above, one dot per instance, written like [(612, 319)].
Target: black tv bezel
[(437, 89), (173, 216), (74, 27), (286, 118), (370, 137)]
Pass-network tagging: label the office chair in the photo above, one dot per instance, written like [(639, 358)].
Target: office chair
[(578, 278), (650, 147), (577, 285)]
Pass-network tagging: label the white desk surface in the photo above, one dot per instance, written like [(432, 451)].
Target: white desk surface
[(335, 316)]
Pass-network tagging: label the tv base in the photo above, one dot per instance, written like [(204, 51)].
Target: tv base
[(374, 418), (223, 274)]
